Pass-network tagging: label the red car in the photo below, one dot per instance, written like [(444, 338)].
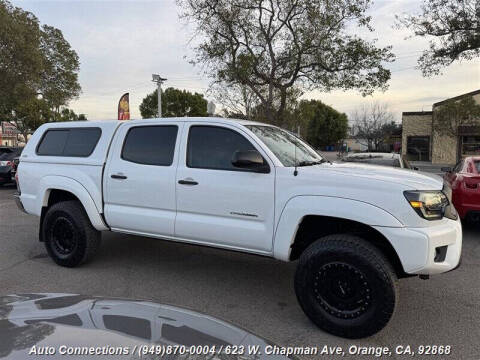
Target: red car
[(464, 180)]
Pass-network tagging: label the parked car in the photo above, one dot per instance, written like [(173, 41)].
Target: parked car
[(6, 149), (244, 186), (8, 166), (384, 159), (464, 179), (60, 326)]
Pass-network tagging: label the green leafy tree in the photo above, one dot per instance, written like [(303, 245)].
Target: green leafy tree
[(271, 46), (59, 80), (451, 116), (38, 69), (21, 62), (453, 30), (324, 124), (175, 103)]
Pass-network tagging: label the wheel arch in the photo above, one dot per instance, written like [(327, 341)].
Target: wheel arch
[(307, 218), (59, 188)]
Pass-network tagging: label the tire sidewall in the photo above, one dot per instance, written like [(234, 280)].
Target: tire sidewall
[(77, 256), (383, 295)]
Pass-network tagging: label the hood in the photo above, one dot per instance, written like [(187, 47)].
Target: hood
[(32, 323), (415, 180)]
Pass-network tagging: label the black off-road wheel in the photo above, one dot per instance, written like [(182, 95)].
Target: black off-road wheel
[(70, 238), (346, 286)]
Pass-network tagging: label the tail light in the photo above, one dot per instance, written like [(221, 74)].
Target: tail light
[(6, 163)]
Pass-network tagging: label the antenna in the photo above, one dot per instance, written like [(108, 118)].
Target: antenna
[(295, 172)]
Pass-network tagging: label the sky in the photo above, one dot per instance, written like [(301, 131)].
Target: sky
[(122, 43)]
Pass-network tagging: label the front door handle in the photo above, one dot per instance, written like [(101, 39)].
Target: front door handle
[(187, 182), (117, 176)]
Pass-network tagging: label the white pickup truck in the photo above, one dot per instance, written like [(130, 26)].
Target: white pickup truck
[(250, 187)]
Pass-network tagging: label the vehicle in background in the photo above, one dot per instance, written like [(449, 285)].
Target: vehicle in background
[(464, 179), (6, 149), (8, 167), (384, 159)]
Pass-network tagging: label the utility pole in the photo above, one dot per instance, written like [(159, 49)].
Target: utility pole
[(159, 80)]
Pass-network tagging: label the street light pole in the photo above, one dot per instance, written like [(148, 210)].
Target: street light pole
[(159, 80)]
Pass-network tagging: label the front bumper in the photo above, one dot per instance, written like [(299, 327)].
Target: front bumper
[(18, 201), (418, 248)]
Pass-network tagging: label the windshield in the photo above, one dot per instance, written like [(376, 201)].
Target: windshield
[(11, 155), (286, 146)]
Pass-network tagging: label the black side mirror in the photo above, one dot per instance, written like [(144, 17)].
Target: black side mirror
[(250, 160), (446, 169)]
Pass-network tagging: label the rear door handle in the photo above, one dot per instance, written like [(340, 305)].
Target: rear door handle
[(119, 177), (187, 182)]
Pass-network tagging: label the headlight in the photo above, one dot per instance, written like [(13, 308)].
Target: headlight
[(428, 204)]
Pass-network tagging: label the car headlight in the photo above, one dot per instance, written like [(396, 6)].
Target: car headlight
[(430, 205)]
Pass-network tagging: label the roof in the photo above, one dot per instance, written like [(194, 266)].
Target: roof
[(412, 113), (155, 121), (471, 93)]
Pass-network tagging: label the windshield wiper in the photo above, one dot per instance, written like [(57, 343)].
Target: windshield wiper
[(310, 163)]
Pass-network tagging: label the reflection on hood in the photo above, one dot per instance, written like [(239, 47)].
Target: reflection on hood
[(53, 320)]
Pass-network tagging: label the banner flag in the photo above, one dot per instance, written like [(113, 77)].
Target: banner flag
[(124, 107)]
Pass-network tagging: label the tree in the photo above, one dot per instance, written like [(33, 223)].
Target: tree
[(175, 103), (453, 27), (20, 57), (38, 69), (451, 116), (238, 101), (325, 125), (59, 80), (271, 46), (373, 123)]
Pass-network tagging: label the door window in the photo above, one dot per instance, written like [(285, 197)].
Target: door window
[(150, 145), (212, 147)]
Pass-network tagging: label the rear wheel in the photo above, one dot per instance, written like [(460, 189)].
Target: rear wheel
[(70, 238), (346, 286)]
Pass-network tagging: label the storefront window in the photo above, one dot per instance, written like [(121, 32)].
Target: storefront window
[(470, 145), (418, 148)]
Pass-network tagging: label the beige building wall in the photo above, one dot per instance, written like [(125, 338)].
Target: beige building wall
[(446, 148), (415, 124)]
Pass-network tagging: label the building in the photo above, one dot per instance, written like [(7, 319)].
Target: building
[(421, 143), (8, 134)]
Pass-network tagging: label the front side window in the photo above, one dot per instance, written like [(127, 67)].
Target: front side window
[(73, 142), (289, 149), (213, 147), (150, 145)]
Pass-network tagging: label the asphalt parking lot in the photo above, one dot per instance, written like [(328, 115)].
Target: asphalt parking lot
[(250, 291)]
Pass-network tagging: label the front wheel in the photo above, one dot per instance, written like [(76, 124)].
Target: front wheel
[(70, 238), (346, 286)]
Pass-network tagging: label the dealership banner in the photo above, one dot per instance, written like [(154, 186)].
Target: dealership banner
[(124, 107)]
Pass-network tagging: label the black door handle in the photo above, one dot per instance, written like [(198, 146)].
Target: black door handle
[(187, 182), (119, 177)]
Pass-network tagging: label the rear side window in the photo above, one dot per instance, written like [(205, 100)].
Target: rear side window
[(211, 147), (150, 145), (79, 142), (477, 165)]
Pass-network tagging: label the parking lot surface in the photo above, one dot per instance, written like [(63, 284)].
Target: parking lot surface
[(250, 291)]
